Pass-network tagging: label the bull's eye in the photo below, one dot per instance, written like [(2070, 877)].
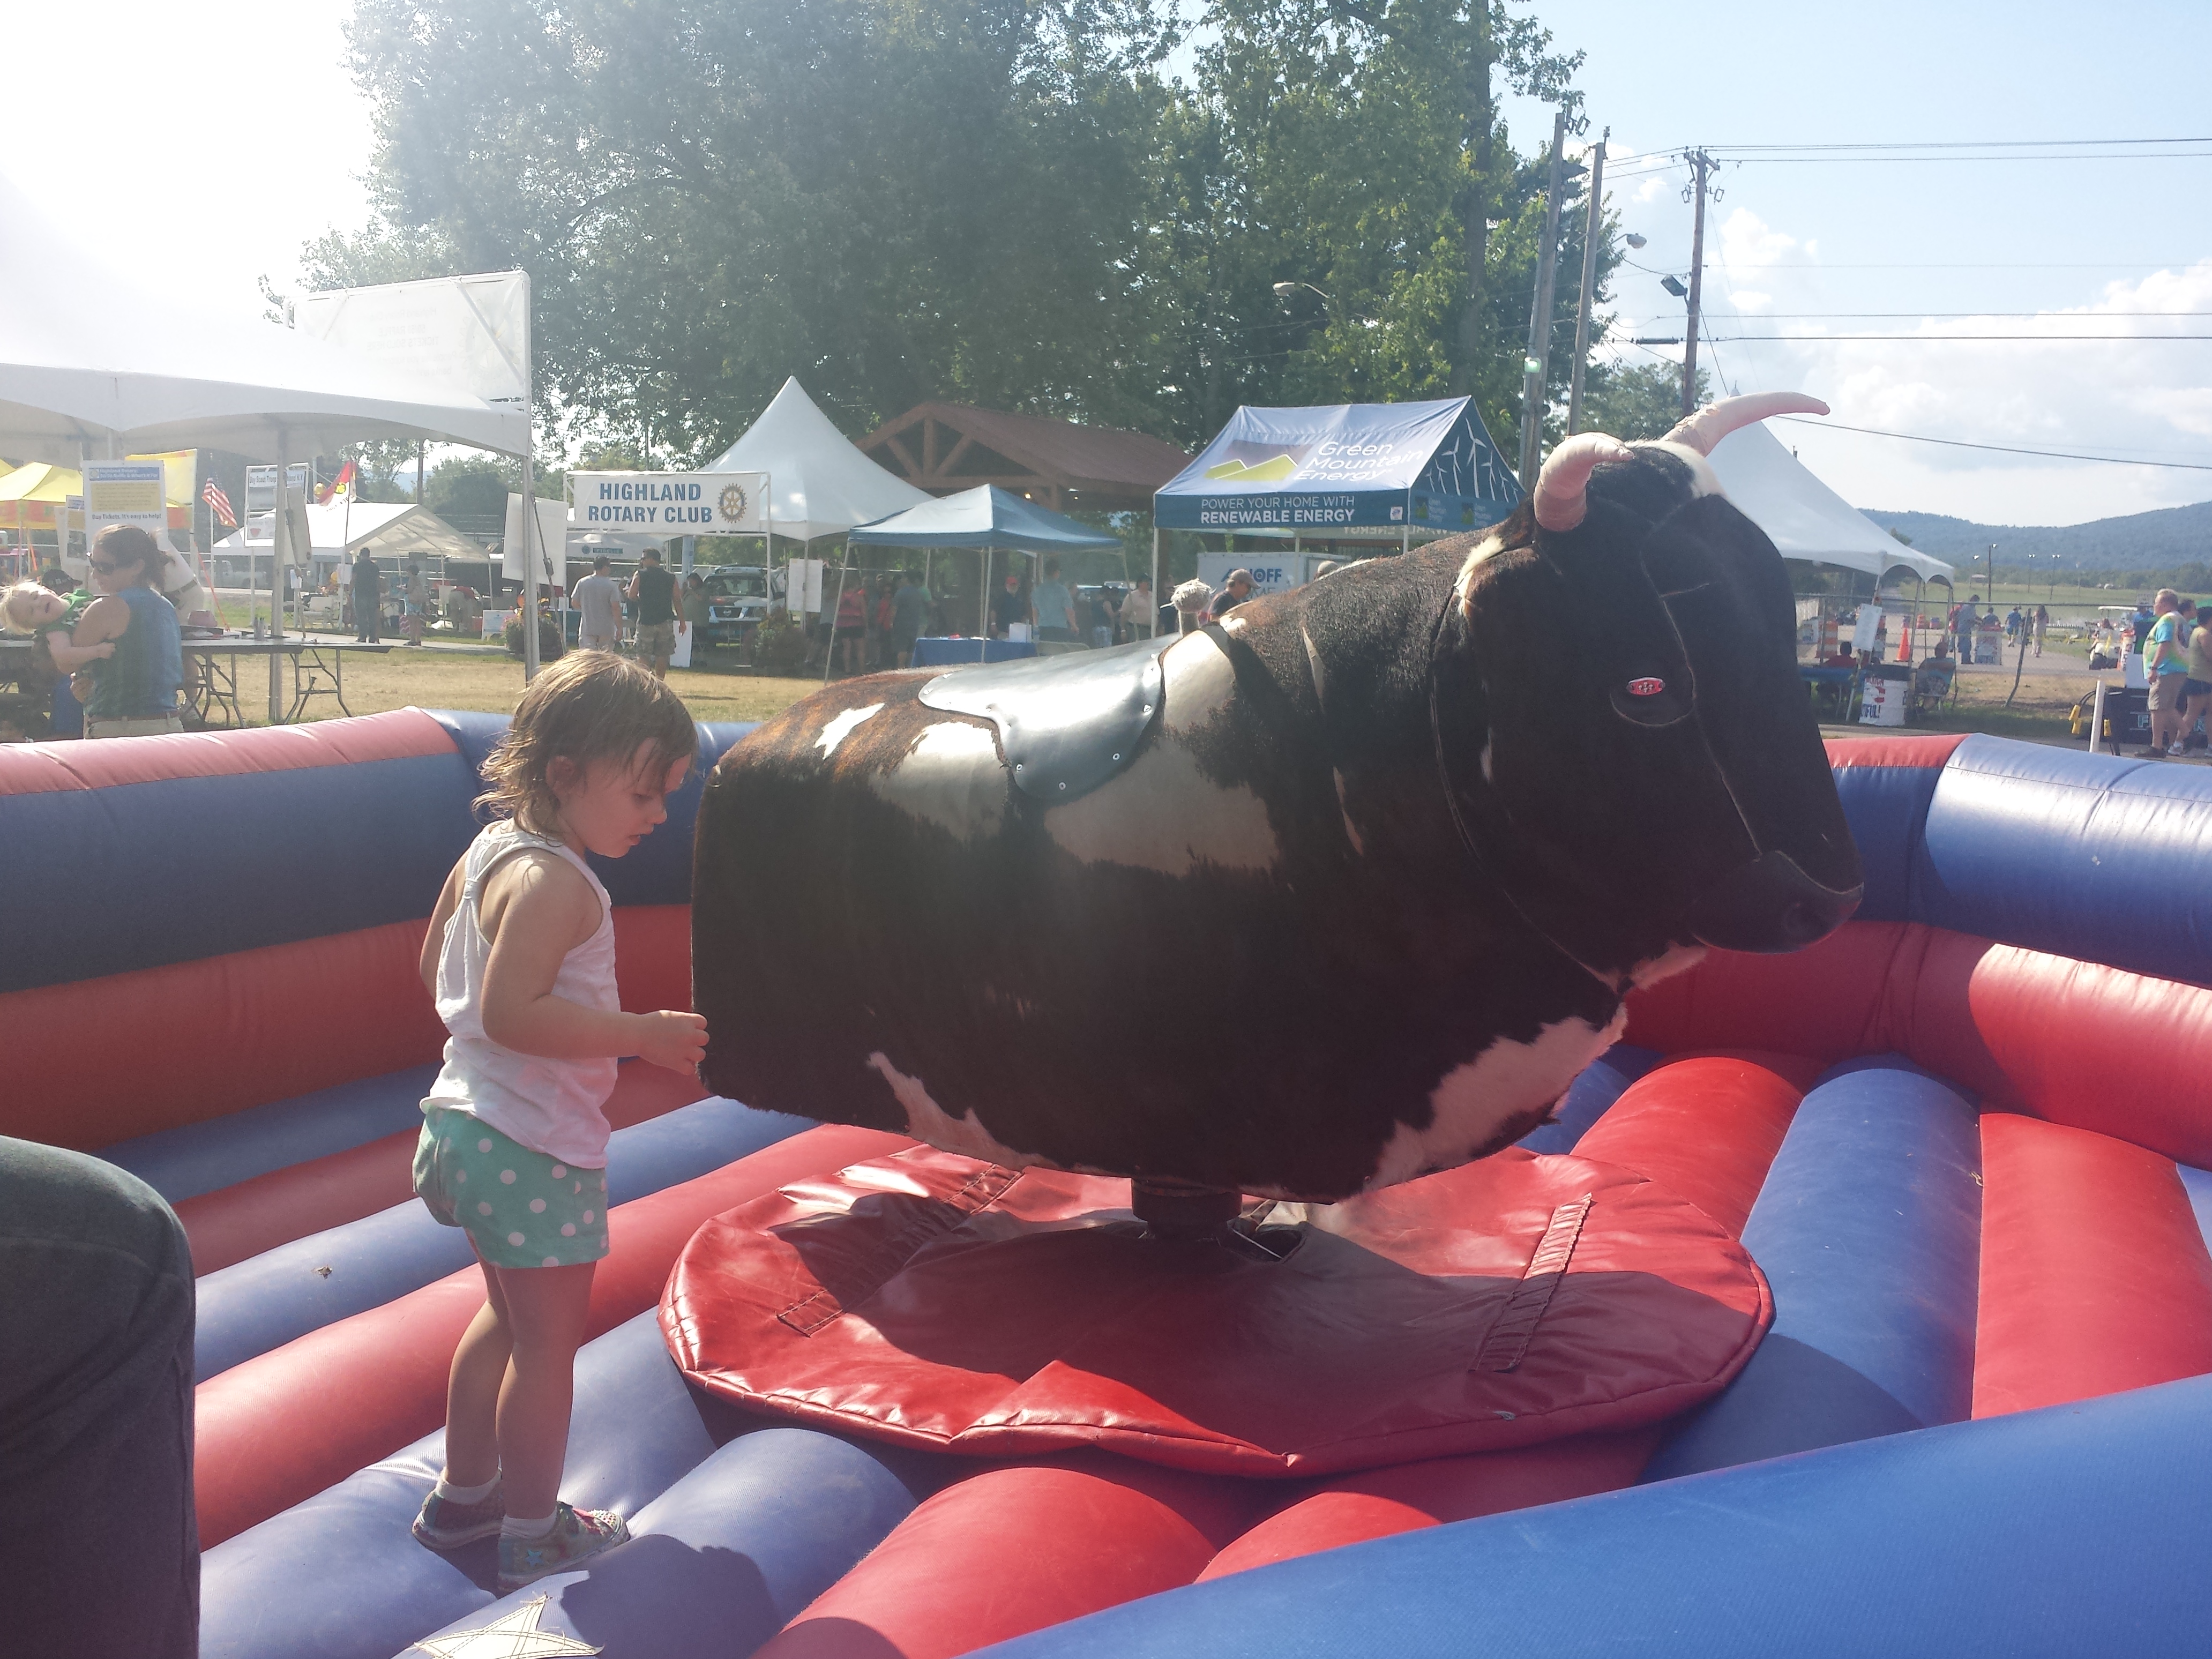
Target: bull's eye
[(1649, 701)]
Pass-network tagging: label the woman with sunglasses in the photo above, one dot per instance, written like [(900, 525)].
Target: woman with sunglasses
[(134, 693)]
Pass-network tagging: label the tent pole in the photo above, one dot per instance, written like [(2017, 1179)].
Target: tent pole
[(279, 543), (983, 621), (829, 650), (1153, 632), (529, 576)]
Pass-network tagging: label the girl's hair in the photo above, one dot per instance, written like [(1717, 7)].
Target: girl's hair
[(132, 545), (590, 706), (10, 596)]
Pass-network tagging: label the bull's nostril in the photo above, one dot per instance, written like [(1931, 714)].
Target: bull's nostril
[(1802, 924)]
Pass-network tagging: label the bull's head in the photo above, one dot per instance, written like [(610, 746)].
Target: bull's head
[(1639, 756)]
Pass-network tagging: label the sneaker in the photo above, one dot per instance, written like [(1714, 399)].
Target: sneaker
[(577, 1535), (446, 1525), (2173, 749)]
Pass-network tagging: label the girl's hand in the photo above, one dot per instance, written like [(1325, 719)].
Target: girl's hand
[(677, 1041), (105, 649)]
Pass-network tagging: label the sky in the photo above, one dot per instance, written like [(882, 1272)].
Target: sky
[(234, 185), (2081, 247)]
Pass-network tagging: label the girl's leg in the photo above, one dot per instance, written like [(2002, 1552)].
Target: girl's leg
[(546, 1309), (472, 1391)]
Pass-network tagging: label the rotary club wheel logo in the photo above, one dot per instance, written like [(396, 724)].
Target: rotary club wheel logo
[(731, 505)]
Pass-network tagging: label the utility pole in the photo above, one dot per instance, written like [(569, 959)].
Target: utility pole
[(1704, 164), (1540, 315), (1592, 226)]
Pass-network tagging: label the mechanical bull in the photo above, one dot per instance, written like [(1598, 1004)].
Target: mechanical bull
[(1342, 890)]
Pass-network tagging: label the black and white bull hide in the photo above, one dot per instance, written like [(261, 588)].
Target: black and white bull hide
[(1366, 892)]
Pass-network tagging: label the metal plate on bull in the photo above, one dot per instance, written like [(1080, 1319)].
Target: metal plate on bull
[(1065, 723)]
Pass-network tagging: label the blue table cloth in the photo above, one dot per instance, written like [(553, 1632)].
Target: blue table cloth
[(939, 652)]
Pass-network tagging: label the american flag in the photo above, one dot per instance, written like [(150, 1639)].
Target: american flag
[(219, 503)]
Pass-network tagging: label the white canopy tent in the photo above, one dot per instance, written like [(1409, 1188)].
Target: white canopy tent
[(387, 529), (92, 362), (818, 483), (1804, 518)]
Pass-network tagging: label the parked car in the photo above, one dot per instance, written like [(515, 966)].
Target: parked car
[(737, 596)]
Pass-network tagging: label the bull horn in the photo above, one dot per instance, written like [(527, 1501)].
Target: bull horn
[(1702, 430), (1563, 486)]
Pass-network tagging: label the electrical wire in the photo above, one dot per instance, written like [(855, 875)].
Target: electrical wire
[(2002, 449), (1968, 339)]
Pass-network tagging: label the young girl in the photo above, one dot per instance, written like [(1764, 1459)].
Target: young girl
[(520, 957), (31, 608)]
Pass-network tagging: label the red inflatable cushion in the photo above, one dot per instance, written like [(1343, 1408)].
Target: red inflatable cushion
[(940, 1302)]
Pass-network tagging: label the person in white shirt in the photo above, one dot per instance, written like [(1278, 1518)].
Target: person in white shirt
[(599, 597), (1139, 611)]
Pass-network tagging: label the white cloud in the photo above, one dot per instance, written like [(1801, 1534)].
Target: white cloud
[(2136, 396)]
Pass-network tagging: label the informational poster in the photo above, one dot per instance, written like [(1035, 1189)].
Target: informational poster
[(124, 492)]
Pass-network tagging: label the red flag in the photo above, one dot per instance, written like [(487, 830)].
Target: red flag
[(219, 503), (341, 485)]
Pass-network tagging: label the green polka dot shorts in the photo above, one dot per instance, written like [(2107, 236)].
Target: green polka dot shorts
[(519, 1208)]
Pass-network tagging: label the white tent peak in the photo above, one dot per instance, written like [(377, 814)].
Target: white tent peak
[(1803, 517), (819, 480)]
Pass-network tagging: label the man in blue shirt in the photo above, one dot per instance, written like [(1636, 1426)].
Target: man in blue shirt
[(2166, 669), (909, 615), (1055, 605)]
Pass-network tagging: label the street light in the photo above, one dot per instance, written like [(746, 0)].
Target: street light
[(1284, 290), (1633, 239)]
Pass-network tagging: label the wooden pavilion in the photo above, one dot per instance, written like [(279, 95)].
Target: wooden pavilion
[(946, 448)]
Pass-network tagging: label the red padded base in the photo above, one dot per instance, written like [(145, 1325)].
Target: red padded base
[(940, 1302)]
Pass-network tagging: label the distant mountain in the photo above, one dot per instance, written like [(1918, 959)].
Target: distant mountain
[(2173, 536)]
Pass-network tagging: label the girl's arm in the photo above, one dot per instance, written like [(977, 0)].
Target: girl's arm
[(535, 909), (70, 656), (434, 940), (103, 622)]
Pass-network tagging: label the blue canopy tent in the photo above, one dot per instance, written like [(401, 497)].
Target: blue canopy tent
[(987, 518), (1339, 467)]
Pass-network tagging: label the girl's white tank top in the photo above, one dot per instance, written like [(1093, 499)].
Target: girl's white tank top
[(551, 1106)]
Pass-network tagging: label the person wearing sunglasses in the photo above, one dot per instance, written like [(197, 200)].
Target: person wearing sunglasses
[(133, 693)]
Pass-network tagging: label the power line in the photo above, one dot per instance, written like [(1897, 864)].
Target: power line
[(2079, 265), (1762, 315), (2001, 449), (2040, 156), (1967, 339), (1967, 143)]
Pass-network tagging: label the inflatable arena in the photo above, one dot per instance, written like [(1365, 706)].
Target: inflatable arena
[(1854, 1300)]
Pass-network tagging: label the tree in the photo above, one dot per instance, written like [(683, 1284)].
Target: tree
[(895, 201), (990, 201), (1635, 401), (470, 493)]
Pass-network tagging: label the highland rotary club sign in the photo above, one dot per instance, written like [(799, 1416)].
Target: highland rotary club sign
[(668, 503)]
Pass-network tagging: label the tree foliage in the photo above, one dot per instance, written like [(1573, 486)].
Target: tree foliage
[(998, 201), (1633, 401)]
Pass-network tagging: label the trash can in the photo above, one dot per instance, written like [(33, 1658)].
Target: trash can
[(1885, 689)]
